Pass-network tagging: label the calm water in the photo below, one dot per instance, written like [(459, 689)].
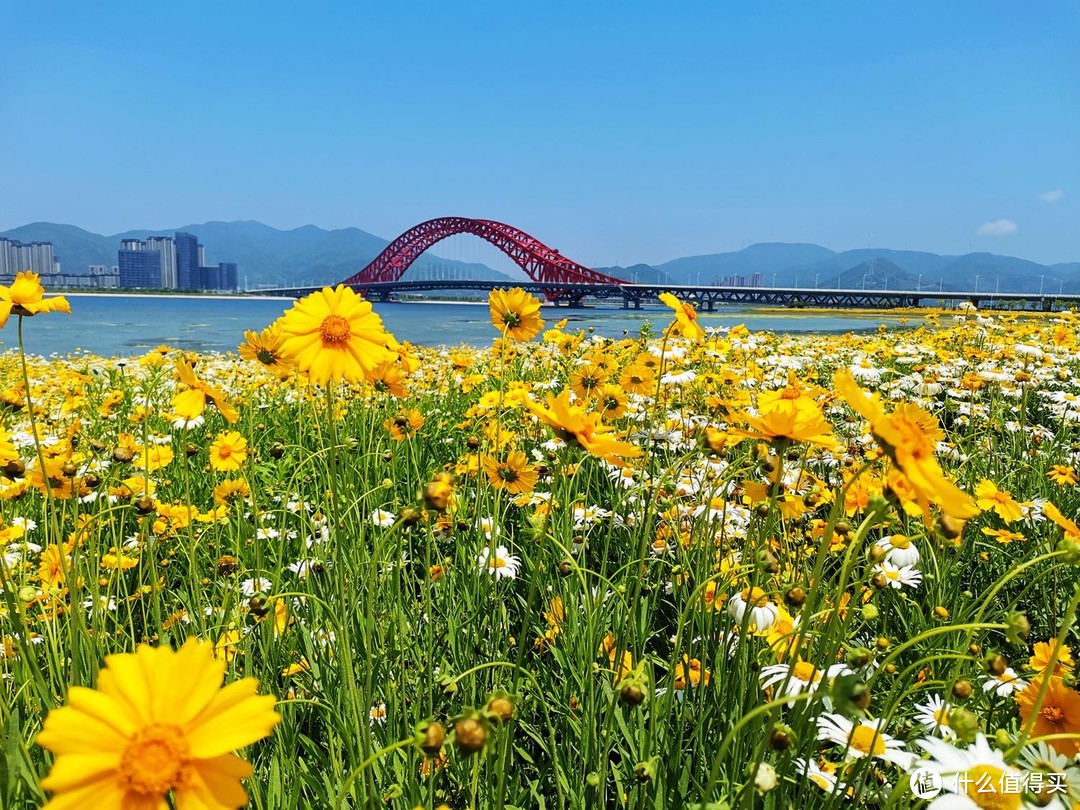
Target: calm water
[(129, 325)]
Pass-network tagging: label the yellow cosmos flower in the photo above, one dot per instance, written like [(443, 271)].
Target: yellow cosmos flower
[(228, 452), (575, 427), (587, 380), (1072, 531), (1040, 660), (26, 297), (159, 724), (390, 377), (1058, 715), (191, 403), (689, 670), (990, 498), (333, 336), (265, 349), (1062, 475), (906, 437), (404, 425), (685, 318), (794, 420), (154, 457), (515, 475), (515, 313)]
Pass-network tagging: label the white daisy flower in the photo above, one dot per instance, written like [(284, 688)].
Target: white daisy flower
[(804, 677), (866, 739), (501, 564), (825, 780), (934, 716), (377, 714), (899, 577), (975, 777), (762, 612), (899, 550), (250, 587), (1004, 684), (382, 518)]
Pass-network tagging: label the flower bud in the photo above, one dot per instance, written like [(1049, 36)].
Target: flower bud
[(470, 735), (645, 771), (1018, 628), (962, 689), (500, 706), (997, 665), (764, 778), (781, 738), (859, 657), (430, 738)]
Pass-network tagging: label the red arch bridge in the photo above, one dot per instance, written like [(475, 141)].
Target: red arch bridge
[(563, 281)]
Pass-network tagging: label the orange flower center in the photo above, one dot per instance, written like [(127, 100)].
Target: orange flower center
[(224, 451), (156, 760), (867, 740), (1052, 714), (988, 788), (334, 330)]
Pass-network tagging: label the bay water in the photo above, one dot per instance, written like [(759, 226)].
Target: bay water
[(125, 325)]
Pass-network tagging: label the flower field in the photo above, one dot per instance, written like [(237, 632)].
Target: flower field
[(691, 569)]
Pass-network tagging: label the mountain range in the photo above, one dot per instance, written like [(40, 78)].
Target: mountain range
[(784, 264), (269, 256), (265, 256)]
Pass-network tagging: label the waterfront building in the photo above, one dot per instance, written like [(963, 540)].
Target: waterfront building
[(37, 257), (187, 260), (167, 247), (139, 268), (228, 276), (104, 276)]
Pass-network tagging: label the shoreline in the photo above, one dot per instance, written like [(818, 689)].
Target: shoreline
[(201, 296)]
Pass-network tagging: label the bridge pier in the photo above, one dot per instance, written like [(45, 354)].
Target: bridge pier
[(710, 305), (627, 300)]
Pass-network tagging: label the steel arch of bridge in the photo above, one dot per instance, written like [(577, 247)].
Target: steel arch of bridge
[(541, 263)]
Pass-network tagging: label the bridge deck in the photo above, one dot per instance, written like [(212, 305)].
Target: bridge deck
[(707, 297)]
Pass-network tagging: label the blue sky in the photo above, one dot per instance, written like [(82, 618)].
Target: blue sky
[(617, 132)]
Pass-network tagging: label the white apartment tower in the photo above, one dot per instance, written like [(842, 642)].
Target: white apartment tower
[(36, 256), (167, 247)]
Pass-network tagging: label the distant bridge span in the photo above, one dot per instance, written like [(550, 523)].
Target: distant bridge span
[(707, 298), (543, 265), (562, 280)]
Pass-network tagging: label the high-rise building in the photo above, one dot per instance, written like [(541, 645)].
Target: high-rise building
[(167, 247), (140, 268), (228, 276), (187, 260), (210, 278), (202, 256), (35, 256)]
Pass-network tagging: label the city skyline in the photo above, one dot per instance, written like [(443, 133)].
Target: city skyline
[(644, 134)]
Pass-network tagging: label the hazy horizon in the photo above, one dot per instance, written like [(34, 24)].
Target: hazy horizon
[(619, 135), (503, 262)]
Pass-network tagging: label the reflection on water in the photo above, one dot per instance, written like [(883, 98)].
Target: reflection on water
[(123, 325)]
